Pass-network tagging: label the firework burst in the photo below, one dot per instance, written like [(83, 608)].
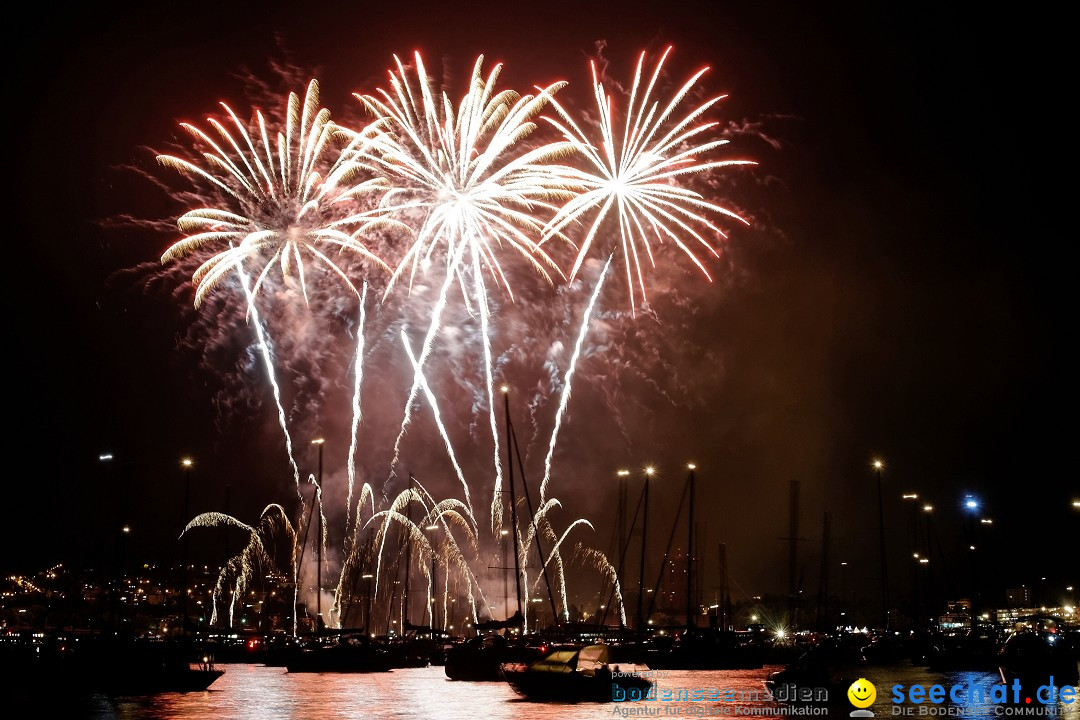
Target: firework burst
[(280, 202), (634, 174)]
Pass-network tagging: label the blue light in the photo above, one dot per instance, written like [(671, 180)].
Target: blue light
[(971, 503)]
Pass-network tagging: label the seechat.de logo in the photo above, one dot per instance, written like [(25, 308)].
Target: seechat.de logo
[(862, 694)]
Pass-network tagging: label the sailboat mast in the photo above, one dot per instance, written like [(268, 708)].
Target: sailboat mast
[(408, 563), (513, 497), (641, 570), (690, 555)]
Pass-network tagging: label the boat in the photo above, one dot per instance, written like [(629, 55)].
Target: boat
[(343, 653), (702, 649), (154, 670), (480, 659), (570, 673), (1037, 653), (975, 649), (111, 666), (813, 678)]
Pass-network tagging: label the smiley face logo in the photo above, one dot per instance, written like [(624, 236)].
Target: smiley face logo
[(862, 693)]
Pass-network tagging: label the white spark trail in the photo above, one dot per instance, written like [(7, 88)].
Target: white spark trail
[(438, 420), (568, 379), (264, 348), (358, 369), (429, 341), (482, 302)]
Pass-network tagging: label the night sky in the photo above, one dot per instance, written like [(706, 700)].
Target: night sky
[(902, 294)]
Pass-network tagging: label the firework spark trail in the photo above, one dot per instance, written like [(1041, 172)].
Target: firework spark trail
[(323, 525), (425, 351), (242, 566), (393, 513), (214, 519), (358, 370), (555, 549), (264, 348), (568, 379), (601, 563), (438, 421), (451, 510), (482, 303), (540, 524), (353, 546), (636, 175), (560, 568)]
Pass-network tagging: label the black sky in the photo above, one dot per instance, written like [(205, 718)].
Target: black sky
[(907, 293)]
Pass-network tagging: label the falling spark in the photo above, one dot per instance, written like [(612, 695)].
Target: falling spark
[(564, 400)]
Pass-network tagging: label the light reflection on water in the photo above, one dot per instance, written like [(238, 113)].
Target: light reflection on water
[(250, 692)]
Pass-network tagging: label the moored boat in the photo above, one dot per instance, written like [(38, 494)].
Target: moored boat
[(575, 674)]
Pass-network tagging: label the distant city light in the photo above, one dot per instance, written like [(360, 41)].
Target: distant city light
[(928, 508), (106, 457), (187, 462), (910, 496)]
